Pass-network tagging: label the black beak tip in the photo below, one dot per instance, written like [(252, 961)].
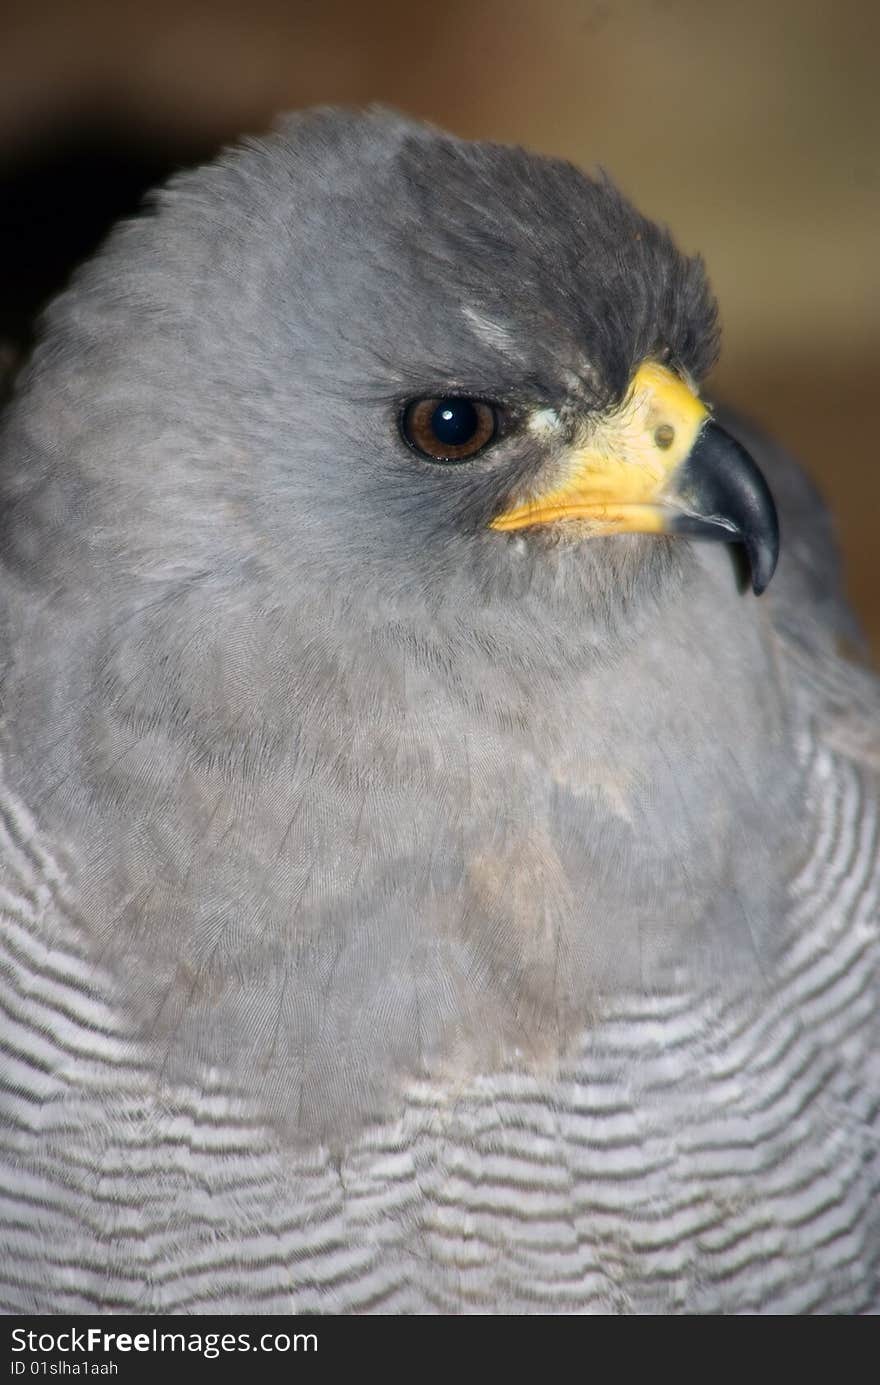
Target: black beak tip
[(758, 524), (728, 498), (763, 554)]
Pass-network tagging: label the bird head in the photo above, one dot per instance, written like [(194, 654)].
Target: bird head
[(377, 360)]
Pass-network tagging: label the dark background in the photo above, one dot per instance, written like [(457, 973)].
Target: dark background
[(751, 128)]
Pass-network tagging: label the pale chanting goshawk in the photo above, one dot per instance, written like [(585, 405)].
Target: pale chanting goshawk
[(431, 881)]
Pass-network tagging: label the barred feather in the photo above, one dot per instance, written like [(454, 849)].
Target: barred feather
[(695, 1156)]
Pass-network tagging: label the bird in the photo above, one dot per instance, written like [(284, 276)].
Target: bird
[(439, 842)]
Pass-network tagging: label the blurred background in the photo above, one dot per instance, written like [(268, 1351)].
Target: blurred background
[(751, 129)]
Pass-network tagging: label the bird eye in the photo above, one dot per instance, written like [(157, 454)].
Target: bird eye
[(449, 430)]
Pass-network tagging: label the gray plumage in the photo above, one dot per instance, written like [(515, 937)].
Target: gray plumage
[(398, 915)]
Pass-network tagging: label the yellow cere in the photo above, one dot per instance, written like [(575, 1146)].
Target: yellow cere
[(618, 478)]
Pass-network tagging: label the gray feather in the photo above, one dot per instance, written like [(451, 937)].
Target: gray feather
[(397, 919)]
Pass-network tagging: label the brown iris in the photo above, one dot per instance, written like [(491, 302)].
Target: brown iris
[(449, 430)]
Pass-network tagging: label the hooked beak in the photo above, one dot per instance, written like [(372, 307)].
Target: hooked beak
[(659, 464)]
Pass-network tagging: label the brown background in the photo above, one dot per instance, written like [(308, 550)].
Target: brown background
[(751, 128)]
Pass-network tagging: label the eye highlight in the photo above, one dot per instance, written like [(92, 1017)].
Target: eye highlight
[(452, 429)]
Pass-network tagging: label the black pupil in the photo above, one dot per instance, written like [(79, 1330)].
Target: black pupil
[(454, 422)]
